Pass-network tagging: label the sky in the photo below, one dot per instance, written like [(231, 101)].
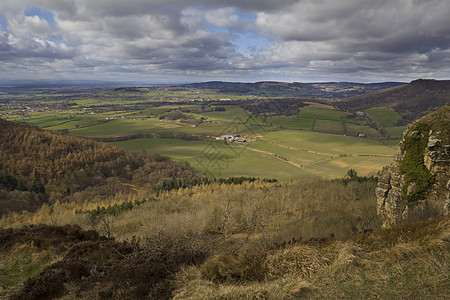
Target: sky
[(175, 41)]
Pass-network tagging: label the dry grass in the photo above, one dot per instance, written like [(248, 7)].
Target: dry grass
[(19, 263), (414, 265), (310, 239), (252, 217), (301, 260)]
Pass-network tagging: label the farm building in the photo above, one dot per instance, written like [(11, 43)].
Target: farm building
[(232, 137)]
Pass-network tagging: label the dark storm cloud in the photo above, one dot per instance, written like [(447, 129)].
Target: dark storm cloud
[(303, 39), (386, 23), (403, 33)]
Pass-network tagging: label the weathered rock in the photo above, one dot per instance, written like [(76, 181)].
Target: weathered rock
[(394, 185)]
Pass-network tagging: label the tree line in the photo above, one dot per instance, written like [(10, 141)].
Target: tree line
[(40, 166)]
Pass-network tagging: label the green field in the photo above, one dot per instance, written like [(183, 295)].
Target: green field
[(355, 130), (322, 113), (329, 144), (384, 116), (217, 129), (396, 131), (217, 158), (291, 122), (124, 127), (329, 126), (283, 155), (338, 167), (392, 143), (301, 157), (310, 143), (255, 119), (49, 121), (231, 113)]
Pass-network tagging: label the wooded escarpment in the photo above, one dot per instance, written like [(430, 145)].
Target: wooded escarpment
[(412, 100), (417, 184), (39, 166)]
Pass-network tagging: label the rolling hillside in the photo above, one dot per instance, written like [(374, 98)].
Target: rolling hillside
[(411, 101), (327, 90), (40, 166), (304, 239)]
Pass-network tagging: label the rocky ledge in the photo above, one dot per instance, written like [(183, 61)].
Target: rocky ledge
[(417, 183)]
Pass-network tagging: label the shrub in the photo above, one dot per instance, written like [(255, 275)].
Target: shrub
[(417, 177)]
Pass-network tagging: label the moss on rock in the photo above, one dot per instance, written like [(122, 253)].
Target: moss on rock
[(418, 179)]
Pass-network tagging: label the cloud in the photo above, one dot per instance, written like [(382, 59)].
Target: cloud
[(247, 39), (384, 25), (18, 50), (376, 37), (32, 25), (224, 17)]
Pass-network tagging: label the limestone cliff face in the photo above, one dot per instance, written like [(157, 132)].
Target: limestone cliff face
[(417, 183)]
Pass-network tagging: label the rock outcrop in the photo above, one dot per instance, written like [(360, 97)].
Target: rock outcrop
[(417, 183)]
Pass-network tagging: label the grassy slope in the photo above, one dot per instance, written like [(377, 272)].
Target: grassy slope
[(355, 130), (329, 126), (342, 153), (384, 116), (411, 101), (231, 113), (396, 131), (322, 113), (235, 162), (17, 265), (280, 160), (127, 127), (327, 143), (295, 122), (286, 155), (387, 118), (217, 158), (405, 262)]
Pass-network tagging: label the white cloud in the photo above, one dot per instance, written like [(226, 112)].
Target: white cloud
[(29, 25), (223, 17), (304, 38)]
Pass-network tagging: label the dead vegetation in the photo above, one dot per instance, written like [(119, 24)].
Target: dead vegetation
[(310, 239), (409, 261), (96, 267)]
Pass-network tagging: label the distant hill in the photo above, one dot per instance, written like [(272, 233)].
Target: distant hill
[(412, 101), (328, 90), (40, 166)]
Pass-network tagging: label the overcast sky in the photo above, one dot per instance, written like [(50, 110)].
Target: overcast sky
[(232, 40)]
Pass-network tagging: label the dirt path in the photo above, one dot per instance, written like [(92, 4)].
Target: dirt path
[(276, 156), (304, 150), (331, 155)]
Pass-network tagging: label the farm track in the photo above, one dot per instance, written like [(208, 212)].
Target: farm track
[(277, 156), (329, 154), (304, 150)]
